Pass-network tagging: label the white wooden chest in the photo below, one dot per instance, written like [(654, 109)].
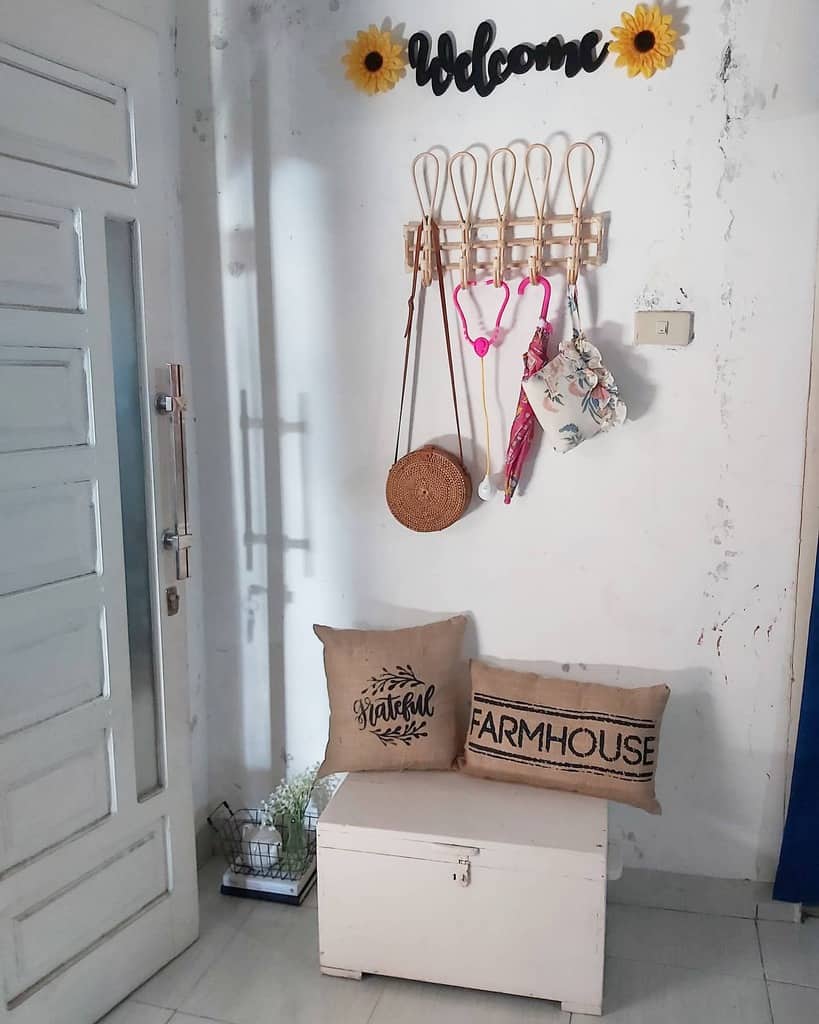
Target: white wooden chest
[(440, 877)]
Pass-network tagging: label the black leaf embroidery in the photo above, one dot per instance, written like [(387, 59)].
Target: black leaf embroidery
[(396, 679), (402, 733)]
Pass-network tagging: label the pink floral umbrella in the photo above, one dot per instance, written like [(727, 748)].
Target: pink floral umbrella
[(525, 423)]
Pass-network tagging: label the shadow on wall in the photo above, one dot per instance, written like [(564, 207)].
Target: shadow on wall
[(306, 309), (228, 266), (690, 732), (297, 341)]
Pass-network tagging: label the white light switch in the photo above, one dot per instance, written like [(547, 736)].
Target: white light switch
[(663, 327)]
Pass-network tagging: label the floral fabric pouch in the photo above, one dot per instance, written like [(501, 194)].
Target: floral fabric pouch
[(574, 396)]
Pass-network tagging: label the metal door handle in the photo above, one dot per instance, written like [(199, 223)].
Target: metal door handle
[(172, 404)]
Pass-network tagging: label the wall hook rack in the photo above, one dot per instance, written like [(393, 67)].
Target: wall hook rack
[(505, 243)]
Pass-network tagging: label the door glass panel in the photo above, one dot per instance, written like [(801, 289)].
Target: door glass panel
[(128, 358)]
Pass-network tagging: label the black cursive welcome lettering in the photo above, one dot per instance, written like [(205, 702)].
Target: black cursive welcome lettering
[(483, 71)]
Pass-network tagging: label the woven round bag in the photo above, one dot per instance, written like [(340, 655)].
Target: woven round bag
[(428, 489)]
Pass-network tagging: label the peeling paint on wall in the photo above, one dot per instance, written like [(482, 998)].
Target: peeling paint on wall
[(661, 553)]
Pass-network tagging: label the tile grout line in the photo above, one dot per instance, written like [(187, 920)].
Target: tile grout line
[(684, 967), (764, 970), (376, 1004), (223, 948), (198, 1016), (682, 910)]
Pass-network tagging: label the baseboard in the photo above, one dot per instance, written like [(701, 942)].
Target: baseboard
[(724, 897)]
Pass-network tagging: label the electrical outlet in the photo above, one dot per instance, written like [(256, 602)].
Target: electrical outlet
[(663, 327)]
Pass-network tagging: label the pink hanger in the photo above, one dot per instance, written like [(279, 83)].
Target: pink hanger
[(482, 345), (547, 294)]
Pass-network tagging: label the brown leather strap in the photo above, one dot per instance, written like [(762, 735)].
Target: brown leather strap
[(436, 241), (408, 333)]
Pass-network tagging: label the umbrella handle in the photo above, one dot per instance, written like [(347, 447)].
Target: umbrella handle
[(547, 293)]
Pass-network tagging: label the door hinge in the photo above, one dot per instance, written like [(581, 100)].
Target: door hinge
[(463, 872)]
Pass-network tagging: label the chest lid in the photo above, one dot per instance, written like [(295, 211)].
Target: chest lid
[(448, 815)]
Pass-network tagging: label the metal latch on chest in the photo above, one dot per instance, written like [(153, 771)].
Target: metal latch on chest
[(463, 872), (462, 857)]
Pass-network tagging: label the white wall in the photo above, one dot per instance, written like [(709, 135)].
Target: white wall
[(238, 745), (666, 551)]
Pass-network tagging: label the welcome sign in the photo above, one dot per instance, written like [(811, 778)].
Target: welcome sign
[(644, 42), (483, 68)]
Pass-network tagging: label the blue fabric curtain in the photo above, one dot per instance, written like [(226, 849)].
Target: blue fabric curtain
[(797, 877)]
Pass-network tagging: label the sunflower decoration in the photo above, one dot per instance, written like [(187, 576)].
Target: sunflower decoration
[(644, 41), (374, 61)]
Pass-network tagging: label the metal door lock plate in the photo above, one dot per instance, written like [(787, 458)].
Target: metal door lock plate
[(463, 873), (172, 600)]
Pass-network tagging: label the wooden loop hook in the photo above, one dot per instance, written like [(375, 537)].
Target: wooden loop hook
[(465, 211), (573, 267), (428, 202), (535, 260), (503, 213)]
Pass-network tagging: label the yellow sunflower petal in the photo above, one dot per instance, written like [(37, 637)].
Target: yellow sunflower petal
[(645, 18), (392, 64)]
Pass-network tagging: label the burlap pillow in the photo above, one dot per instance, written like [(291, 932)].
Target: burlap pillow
[(393, 696), (583, 737)]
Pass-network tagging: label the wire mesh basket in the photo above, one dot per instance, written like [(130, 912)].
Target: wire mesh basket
[(289, 859)]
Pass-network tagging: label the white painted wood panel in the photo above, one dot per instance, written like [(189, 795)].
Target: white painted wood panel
[(456, 808), (526, 933), (85, 916), (52, 649), (41, 257), (440, 877), (64, 118), (43, 801), (49, 534), (44, 936), (44, 398)]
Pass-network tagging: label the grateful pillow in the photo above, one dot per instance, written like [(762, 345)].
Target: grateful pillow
[(583, 737), (393, 696)]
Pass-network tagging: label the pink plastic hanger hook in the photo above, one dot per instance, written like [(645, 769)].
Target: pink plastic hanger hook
[(482, 345), (547, 293)]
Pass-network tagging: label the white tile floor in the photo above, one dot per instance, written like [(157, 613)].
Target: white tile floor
[(256, 963)]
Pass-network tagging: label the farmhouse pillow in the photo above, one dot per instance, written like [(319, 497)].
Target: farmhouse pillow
[(597, 740), (393, 696)]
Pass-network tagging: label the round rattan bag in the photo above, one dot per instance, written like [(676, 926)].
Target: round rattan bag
[(428, 489)]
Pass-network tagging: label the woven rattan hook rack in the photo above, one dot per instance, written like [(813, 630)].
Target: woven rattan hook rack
[(504, 243)]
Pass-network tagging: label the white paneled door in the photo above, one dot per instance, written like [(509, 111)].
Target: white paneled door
[(97, 865)]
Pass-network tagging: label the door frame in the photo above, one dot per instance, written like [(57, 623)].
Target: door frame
[(808, 547)]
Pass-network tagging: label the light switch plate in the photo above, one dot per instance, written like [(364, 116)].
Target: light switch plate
[(663, 327)]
